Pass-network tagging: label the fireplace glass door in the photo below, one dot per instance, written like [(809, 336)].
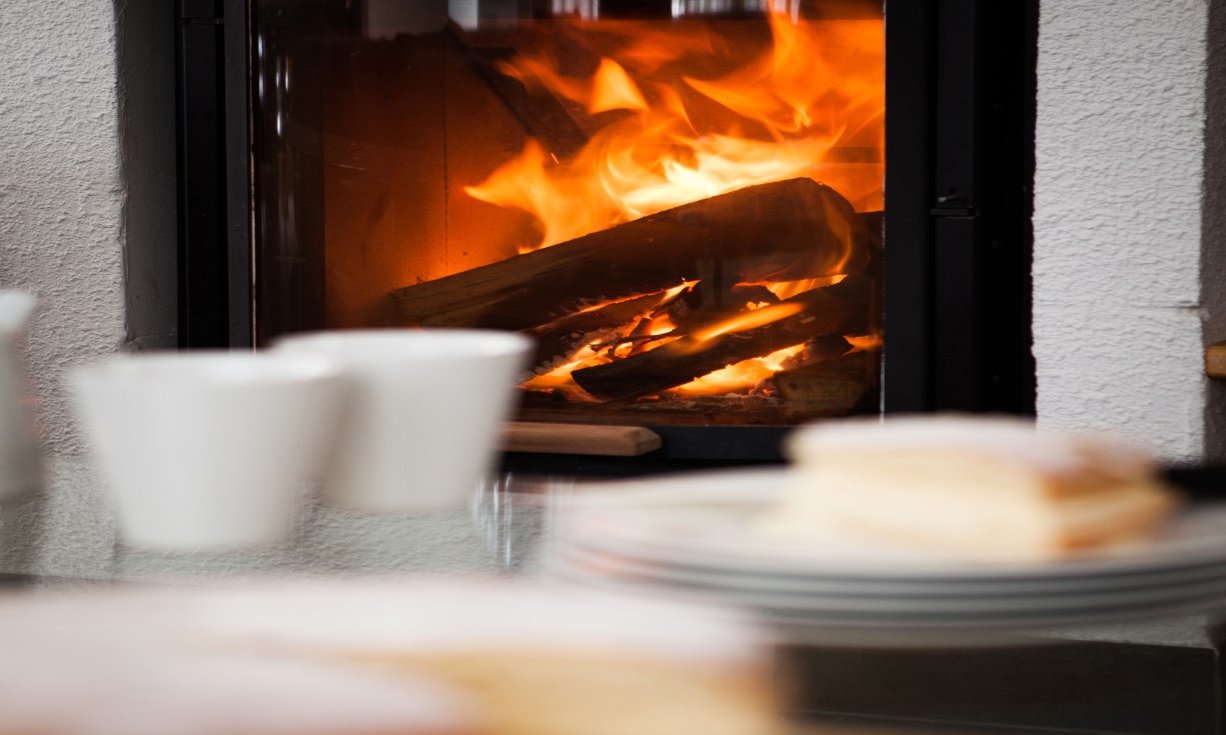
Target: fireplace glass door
[(679, 201)]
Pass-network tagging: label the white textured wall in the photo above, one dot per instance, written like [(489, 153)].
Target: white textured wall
[(1117, 317), (61, 193)]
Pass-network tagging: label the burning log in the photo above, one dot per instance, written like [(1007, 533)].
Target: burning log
[(563, 336), (790, 229), (836, 385), (837, 308)]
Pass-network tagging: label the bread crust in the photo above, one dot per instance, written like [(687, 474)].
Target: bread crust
[(986, 488)]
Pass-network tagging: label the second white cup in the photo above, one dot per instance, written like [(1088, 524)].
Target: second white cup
[(425, 412)]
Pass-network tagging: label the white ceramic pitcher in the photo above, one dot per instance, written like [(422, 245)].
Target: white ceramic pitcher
[(20, 466)]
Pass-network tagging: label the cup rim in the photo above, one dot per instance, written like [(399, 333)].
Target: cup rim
[(212, 367), (421, 343)]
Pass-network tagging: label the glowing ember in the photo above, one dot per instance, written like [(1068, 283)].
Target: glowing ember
[(740, 377), (559, 378), (860, 342)]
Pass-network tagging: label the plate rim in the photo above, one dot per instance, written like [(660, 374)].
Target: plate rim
[(753, 487)]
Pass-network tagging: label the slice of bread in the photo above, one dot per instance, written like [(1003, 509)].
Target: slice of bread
[(979, 488)]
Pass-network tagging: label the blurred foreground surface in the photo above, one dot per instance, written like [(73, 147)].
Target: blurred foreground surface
[(1155, 677)]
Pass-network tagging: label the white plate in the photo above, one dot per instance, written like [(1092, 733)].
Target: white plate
[(708, 520), (1024, 592), (949, 623), (1200, 592), (663, 566)]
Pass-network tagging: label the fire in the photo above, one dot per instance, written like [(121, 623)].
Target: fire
[(679, 115), (811, 105)]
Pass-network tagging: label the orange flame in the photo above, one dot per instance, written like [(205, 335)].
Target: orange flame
[(788, 289), (861, 342), (812, 105), (613, 89), (796, 88), (746, 320)]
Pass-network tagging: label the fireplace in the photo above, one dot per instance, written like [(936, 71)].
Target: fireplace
[(682, 202)]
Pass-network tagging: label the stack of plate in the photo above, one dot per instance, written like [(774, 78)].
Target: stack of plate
[(700, 536)]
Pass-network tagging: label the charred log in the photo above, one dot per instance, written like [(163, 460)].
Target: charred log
[(786, 230), (841, 307)]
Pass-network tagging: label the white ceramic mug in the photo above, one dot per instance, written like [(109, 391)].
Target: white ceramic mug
[(423, 421), (207, 450)]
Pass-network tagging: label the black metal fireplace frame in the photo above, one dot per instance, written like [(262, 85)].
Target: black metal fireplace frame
[(959, 149)]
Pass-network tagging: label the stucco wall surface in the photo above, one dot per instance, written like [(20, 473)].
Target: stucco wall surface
[(1132, 372), (61, 194), (1118, 181)]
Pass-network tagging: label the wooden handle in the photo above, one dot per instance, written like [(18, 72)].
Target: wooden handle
[(1215, 360), (604, 441)]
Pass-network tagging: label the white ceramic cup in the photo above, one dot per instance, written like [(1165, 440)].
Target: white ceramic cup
[(208, 450), (424, 418)]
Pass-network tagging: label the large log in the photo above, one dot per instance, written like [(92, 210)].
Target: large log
[(842, 306), (788, 230)]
